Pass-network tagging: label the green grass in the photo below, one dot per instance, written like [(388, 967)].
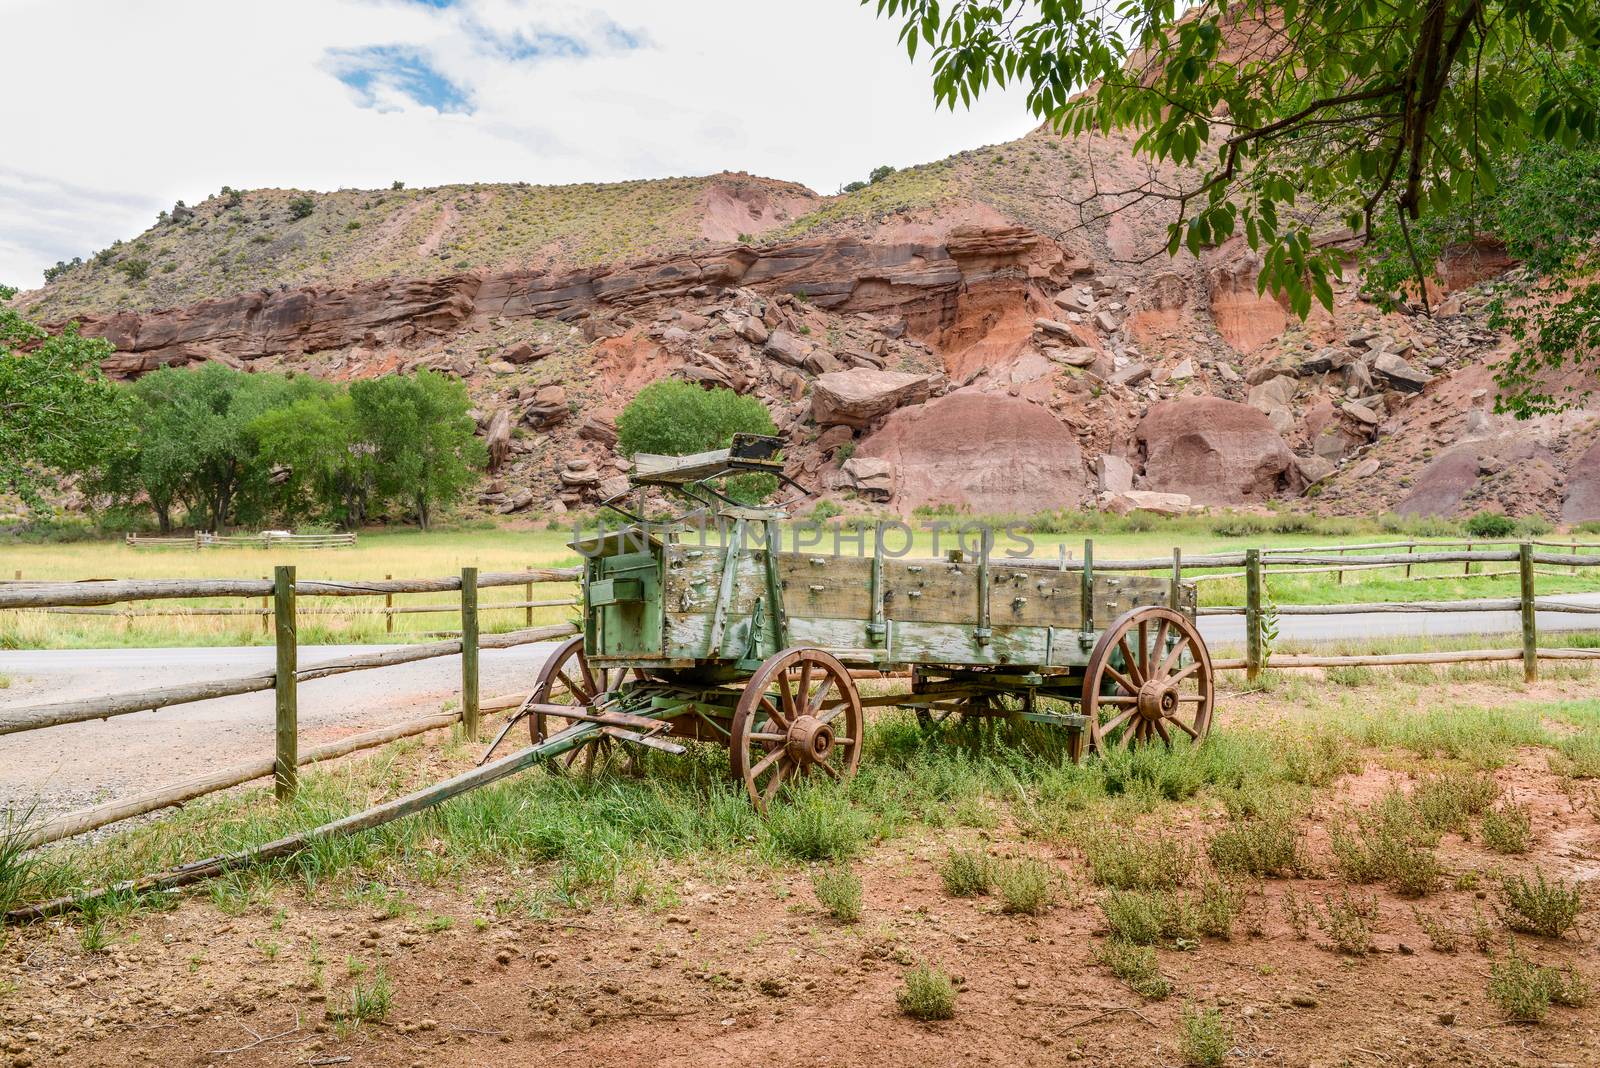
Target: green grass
[(838, 891), (927, 994), (967, 873), (1540, 906), (1204, 1037), (1026, 887), (1136, 966), (1525, 990), (1508, 829)]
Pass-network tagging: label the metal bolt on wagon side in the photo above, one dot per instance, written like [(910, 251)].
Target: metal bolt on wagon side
[(744, 644)]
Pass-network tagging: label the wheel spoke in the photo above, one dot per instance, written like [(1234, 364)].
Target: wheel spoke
[(1192, 698), (1115, 722), (805, 678), (1129, 662), (829, 768), (769, 737), (814, 705), (1156, 649), (1117, 699), (765, 762), (776, 781), (1121, 680), (1185, 673), (1190, 731), (588, 676), (578, 693), (786, 695), (1144, 649), (843, 741), (1170, 661), (833, 711), (772, 712), (1162, 730)]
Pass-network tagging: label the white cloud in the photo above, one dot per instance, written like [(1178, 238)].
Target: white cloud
[(173, 100)]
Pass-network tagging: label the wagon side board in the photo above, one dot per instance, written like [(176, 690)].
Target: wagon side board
[(930, 609)]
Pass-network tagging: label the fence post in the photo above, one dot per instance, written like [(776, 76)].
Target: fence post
[(286, 770), (469, 652), (197, 540), (1340, 579), (266, 613), (527, 595), (1252, 613), (1177, 579), (388, 609), (1411, 548), (1086, 587), (1530, 622), (1468, 569)]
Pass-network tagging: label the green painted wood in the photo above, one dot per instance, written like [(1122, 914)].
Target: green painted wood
[(1530, 619), (469, 652), (1252, 613), (286, 766)]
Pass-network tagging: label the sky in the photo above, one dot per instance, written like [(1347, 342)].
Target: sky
[(115, 109)]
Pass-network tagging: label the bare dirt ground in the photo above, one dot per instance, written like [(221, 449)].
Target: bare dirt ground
[(742, 967)]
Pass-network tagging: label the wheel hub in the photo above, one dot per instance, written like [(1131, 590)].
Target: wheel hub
[(810, 740), (1157, 700)]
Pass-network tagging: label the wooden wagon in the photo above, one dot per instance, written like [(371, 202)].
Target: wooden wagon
[(742, 643)]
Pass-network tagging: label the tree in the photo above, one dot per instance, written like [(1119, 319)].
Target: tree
[(326, 463), (675, 418), (301, 206), (57, 411), (1276, 118), (878, 174), (7, 292), (424, 441)]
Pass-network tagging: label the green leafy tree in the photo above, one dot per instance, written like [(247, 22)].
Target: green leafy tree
[(326, 464), (880, 173), (675, 418), (57, 411), (7, 292), (300, 207), (424, 441), (1276, 118)]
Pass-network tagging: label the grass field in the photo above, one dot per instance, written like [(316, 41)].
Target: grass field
[(415, 554)]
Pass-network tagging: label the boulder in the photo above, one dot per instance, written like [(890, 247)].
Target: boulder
[(1360, 413), (516, 502), (500, 367), (497, 438), (1314, 469), (862, 394), (1398, 373), (988, 452), (613, 486), (1147, 501), (752, 330), (833, 437), (1217, 451), (1182, 373), (1105, 321), (1075, 356), (1357, 376), (547, 409), (820, 361), (870, 476), (525, 352), (1322, 361), (1274, 398), (599, 427), (1130, 375), (787, 348), (1074, 300), (1114, 474)]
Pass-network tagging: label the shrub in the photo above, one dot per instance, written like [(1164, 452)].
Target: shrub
[(1204, 1037), (927, 994), (1348, 922), (1507, 829), (814, 825), (1491, 525), (1219, 905), (397, 185), (1447, 802), (1548, 908), (1525, 990), (674, 418), (967, 873), (300, 207), (135, 270), (1027, 886), (1136, 966), (1257, 848), (838, 891), (1128, 862), (1441, 935)]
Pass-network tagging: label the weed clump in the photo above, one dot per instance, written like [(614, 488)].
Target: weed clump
[(1507, 829), (838, 891), (1204, 1037), (1257, 848), (927, 994), (1027, 886), (816, 825), (1443, 937), (1539, 906), (1136, 966), (1525, 990), (967, 873), (1348, 922), (1127, 862)]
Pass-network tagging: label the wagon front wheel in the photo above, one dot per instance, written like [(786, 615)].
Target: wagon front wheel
[(568, 678), (1148, 680), (800, 714)]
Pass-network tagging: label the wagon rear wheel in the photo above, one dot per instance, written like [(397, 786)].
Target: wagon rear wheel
[(568, 678), (799, 714), (1148, 680)]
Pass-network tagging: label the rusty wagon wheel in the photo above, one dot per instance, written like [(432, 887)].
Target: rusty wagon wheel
[(568, 678), (1148, 678), (800, 713)]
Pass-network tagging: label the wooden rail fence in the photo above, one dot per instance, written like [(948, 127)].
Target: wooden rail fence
[(267, 539), (284, 590)]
